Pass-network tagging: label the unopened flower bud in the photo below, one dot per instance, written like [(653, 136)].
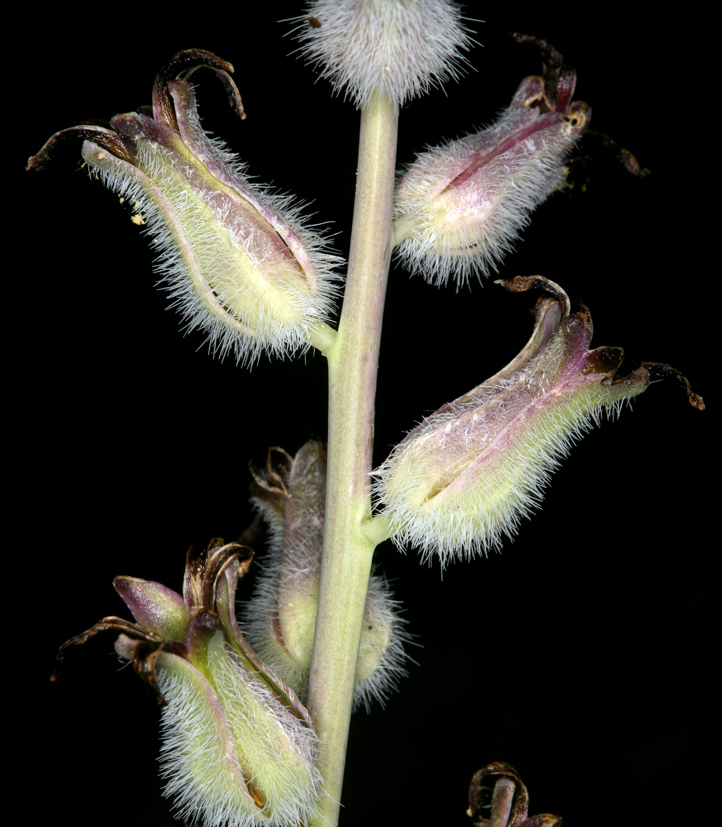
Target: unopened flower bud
[(465, 476), (459, 206), (235, 259), (281, 618), (238, 747), (398, 48)]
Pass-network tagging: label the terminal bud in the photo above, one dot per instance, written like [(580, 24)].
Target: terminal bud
[(395, 48)]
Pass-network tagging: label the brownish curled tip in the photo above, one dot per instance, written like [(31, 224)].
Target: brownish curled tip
[(180, 67), (103, 136), (624, 156), (205, 568), (314, 22), (662, 371), (273, 477), (521, 284), (559, 79), (145, 656), (117, 624)]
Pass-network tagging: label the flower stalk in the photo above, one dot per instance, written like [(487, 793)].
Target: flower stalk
[(352, 364)]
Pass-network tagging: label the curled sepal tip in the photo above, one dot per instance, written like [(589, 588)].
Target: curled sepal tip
[(235, 259), (466, 475)]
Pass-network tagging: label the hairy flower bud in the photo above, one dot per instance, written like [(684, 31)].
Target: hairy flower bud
[(234, 258), (281, 617), (238, 747), (465, 476), (399, 48), (459, 206)]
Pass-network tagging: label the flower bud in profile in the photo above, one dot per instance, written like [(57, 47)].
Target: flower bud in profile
[(458, 207), (235, 259), (237, 747), (280, 620), (396, 48), (464, 477)]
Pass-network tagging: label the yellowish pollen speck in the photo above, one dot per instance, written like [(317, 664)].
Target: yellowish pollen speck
[(137, 219)]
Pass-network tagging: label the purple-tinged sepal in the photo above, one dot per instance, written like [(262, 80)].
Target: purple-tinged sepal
[(236, 260), (459, 206), (154, 606), (467, 474)]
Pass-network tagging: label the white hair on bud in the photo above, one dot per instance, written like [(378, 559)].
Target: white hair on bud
[(472, 514), (197, 266), (381, 654), (459, 206), (383, 634), (518, 185), (250, 763), (400, 48)]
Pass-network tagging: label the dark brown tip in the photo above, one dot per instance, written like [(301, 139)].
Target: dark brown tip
[(658, 370), (181, 66), (102, 136)]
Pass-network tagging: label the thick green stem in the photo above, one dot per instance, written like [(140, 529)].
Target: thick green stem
[(352, 363)]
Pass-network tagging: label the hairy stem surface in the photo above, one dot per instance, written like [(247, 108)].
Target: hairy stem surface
[(352, 363)]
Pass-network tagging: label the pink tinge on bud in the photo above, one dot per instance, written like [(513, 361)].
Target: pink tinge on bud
[(467, 474), (459, 206), (155, 607)]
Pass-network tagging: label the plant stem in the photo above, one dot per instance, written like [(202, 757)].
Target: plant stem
[(352, 364)]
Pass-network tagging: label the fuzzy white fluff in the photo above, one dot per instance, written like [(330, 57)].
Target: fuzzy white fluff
[(220, 739), (218, 279), (399, 48)]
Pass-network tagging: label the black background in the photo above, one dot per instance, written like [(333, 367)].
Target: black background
[(583, 653)]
